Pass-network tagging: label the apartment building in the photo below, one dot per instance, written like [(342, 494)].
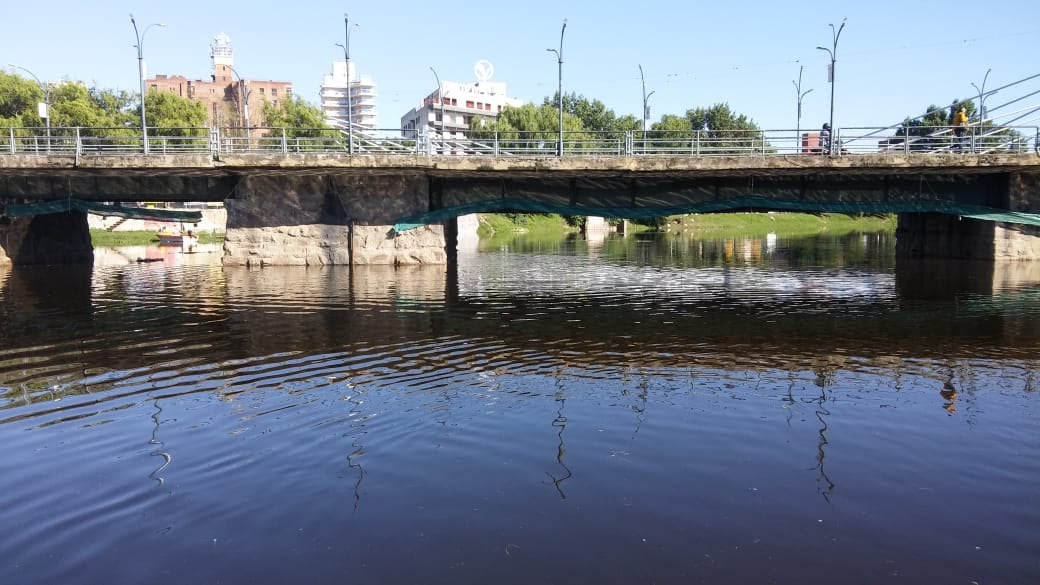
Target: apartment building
[(450, 109), (345, 96)]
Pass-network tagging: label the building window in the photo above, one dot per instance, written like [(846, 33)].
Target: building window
[(274, 92), (261, 90), (469, 104)]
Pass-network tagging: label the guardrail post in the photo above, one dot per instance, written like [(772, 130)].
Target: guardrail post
[(79, 142), (285, 143), (496, 142), (698, 150), (11, 133), (628, 143)]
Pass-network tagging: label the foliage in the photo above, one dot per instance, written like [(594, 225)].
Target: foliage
[(714, 130), (933, 130), (299, 118)]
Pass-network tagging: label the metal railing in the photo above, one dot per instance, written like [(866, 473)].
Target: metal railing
[(982, 138)]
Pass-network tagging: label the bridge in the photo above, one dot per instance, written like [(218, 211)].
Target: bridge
[(304, 200)]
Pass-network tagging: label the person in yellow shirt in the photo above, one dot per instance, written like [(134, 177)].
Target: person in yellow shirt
[(960, 128)]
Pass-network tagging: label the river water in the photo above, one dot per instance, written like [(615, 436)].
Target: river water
[(640, 410)]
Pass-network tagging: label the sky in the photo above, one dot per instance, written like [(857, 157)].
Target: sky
[(894, 58)]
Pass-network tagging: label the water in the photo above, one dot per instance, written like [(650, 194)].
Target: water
[(646, 410)]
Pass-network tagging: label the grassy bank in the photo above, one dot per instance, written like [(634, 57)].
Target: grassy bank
[(109, 239), (712, 225), (789, 224)]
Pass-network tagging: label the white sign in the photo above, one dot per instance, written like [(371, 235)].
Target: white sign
[(42, 109), (483, 70)]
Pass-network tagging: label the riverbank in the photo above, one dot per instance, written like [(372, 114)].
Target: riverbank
[(141, 238), (710, 224)]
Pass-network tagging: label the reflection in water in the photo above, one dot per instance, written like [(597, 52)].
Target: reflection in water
[(757, 362), (560, 423), (158, 451)]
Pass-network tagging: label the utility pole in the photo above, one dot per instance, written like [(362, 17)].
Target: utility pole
[(559, 61), (833, 52)]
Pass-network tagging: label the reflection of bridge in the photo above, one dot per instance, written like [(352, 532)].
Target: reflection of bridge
[(323, 208)]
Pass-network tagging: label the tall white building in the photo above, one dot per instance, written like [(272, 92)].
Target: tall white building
[(460, 103), (343, 85)]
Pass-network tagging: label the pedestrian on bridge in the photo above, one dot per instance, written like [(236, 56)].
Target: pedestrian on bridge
[(960, 128), (825, 139)]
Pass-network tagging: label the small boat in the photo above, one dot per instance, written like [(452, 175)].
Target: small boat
[(182, 238)]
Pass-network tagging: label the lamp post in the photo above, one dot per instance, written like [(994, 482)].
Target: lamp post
[(559, 62), (140, 72), (646, 108), (350, 83), (800, 94), (982, 99), (243, 91), (833, 52), (440, 98), (45, 113)]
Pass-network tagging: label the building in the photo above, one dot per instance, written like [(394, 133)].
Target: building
[(344, 87), (230, 100), (451, 108)]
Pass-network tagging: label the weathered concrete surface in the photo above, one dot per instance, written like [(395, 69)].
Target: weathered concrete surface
[(317, 220), (931, 235), (58, 238)]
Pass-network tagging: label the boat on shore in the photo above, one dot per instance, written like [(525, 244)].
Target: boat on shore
[(182, 238)]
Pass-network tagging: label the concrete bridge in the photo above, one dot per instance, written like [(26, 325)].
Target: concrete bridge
[(332, 208)]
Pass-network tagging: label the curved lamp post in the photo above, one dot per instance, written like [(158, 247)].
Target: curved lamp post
[(350, 84), (833, 52), (46, 88), (646, 108), (800, 94), (243, 91), (440, 97), (982, 99), (559, 61), (140, 72)]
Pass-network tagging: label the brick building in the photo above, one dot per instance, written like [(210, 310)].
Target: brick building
[(223, 92)]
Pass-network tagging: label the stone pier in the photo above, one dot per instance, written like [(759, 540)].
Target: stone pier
[(57, 238), (328, 219)]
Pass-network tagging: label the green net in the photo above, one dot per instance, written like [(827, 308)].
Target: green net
[(106, 209)]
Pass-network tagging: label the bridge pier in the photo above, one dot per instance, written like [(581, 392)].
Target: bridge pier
[(57, 238), (329, 219), (934, 235)]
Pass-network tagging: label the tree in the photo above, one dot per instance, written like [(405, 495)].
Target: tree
[(299, 118), (593, 114), (715, 130)]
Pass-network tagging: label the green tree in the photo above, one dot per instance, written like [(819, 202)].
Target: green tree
[(713, 130), (299, 118)]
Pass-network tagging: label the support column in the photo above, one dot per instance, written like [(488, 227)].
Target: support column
[(330, 220), (56, 238)]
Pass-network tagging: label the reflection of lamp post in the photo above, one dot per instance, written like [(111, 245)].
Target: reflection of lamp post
[(559, 61), (350, 82), (833, 52), (440, 98), (45, 113), (140, 73), (243, 91), (798, 124), (982, 99), (646, 108)]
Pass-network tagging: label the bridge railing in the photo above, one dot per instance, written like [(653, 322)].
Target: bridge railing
[(982, 138)]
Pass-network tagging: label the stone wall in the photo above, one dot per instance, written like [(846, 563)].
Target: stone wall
[(329, 219)]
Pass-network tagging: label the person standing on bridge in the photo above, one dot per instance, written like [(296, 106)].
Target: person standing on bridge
[(825, 139), (960, 128)]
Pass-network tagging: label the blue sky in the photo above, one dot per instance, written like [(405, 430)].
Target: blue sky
[(894, 57)]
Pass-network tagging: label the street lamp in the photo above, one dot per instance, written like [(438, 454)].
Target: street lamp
[(833, 52), (45, 113), (646, 108), (798, 92), (982, 99), (440, 98), (350, 83), (140, 72), (243, 91), (559, 61)]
